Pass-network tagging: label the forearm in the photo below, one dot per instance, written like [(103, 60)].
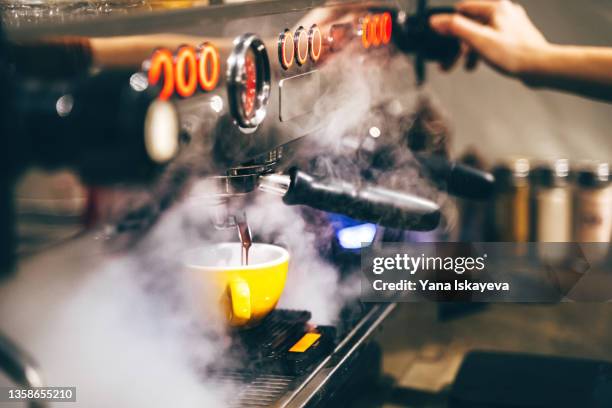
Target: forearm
[(584, 70)]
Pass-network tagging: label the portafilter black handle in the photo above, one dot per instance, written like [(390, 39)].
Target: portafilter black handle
[(364, 202)]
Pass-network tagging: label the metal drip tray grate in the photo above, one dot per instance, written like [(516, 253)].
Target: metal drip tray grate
[(265, 365), (263, 391), (276, 367), (273, 337)]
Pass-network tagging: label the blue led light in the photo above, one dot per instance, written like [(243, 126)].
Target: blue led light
[(355, 236)]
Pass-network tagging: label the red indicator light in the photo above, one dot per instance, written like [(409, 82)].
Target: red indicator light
[(250, 91), (186, 74), (161, 63), (286, 49), (300, 39), (316, 43), (208, 66), (365, 32), (375, 31), (386, 24)]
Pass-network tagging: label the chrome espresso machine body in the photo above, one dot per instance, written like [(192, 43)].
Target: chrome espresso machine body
[(245, 97), (247, 85)]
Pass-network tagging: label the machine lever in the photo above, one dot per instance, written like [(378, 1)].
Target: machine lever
[(415, 36)]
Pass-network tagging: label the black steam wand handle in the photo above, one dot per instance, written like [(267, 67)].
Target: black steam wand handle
[(457, 178), (365, 202)]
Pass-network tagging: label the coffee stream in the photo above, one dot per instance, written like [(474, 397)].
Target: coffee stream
[(244, 233)]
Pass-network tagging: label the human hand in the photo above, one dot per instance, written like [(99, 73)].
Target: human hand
[(497, 31)]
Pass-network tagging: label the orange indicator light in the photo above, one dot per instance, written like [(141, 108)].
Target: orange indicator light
[(301, 41), (161, 63), (186, 74), (375, 31), (316, 43), (208, 66), (365, 32), (286, 49)]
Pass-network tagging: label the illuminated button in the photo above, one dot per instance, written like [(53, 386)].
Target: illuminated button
[(305, 342), (161, 64), (286, 49), (375, 31), (300, 39), (387, 27), (208, 66), (365, 32), (186, 74), (161, 131), (316, 43)]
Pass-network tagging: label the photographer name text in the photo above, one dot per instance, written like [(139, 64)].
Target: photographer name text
[(409, 265), (426, 285)]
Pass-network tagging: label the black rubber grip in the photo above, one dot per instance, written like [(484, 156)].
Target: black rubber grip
[(459, 179), (366, 203)]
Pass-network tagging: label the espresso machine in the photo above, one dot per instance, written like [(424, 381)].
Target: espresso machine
[(301, 100)]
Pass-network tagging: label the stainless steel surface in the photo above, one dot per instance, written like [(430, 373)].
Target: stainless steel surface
[(20, 368), (129, 41), (155, 21), (275, 183), (308, 391)]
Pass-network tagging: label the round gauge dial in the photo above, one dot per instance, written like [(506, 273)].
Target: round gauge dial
[(248, 84)]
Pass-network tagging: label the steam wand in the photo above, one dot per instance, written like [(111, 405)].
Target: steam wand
[(365, 202)]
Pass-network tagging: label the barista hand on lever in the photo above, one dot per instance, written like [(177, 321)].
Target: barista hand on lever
[(501, 33)]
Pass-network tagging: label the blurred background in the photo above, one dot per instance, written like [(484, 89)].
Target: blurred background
[(502, 117)]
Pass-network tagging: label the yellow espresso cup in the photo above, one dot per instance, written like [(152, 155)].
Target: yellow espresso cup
[(246, 293)]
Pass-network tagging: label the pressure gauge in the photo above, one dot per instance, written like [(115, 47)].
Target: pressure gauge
[(248, 81)]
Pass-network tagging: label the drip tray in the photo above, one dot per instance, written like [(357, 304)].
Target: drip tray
[(287, 361), (283, 344)]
